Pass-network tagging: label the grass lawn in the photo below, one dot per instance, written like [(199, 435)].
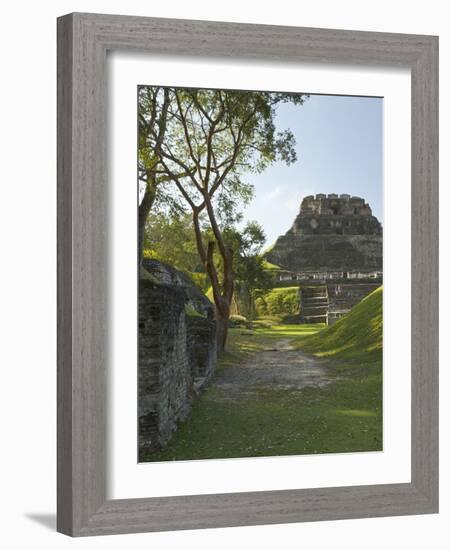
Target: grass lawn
[(342, 416)]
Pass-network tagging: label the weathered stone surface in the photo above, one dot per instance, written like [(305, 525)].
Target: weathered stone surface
[(177, 356), (167, 274), (332, 237)]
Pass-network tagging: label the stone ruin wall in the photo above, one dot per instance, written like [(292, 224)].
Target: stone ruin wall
[(177, 356), (343, 296)]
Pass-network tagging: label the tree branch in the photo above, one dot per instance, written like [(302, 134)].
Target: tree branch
[(211, 270), (186, 135)]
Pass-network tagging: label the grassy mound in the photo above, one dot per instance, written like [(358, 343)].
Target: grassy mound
[(359, 334)]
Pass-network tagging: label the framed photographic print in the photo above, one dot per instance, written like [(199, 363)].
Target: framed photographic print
[(247, 274)]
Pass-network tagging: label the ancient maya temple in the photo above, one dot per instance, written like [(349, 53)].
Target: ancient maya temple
[(334, 251)]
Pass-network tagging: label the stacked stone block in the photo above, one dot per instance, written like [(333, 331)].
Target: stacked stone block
[(177, 356)]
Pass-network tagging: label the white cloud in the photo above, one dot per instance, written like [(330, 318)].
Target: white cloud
[(292, 204), (274, 193)]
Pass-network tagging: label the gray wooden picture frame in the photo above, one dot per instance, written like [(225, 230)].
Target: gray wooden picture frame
[(83, 41)]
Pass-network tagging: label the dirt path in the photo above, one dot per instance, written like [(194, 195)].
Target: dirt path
[(278, 367)]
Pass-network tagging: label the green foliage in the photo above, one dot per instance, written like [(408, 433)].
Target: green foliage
[(199, 278), (209, 294), (278, 301), (171, 239), (154, 117), (250, 276), (356, 336), (197, 139)]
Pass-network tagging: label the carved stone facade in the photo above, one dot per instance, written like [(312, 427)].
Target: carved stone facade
[(334, 237)]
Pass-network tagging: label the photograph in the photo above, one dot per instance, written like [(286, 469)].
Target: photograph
[(230, 335), (230, 338), (260, 261)]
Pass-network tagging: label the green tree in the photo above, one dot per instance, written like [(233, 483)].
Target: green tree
[(210, 140), (153, 108), (250, 276), (170, 238)]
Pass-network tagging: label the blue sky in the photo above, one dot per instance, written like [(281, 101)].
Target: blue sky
[(339, 150)]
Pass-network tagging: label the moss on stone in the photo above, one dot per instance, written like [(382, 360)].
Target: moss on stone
[(144, 274), (192, 312)]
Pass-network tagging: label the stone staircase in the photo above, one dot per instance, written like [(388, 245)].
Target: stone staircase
[(342, 296), (314, 304)]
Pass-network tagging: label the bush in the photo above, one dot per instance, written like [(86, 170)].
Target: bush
[(279, 301), (237, 321)]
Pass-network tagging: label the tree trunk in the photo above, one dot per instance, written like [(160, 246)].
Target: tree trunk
[(251, 306), (222, 299), (144, 210), (221, 330), (225, 302)]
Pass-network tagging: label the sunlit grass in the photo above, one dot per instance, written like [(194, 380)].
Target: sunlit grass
[(352, 412), (243, 343), (357, 336), (269, 265), (291, 330)]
